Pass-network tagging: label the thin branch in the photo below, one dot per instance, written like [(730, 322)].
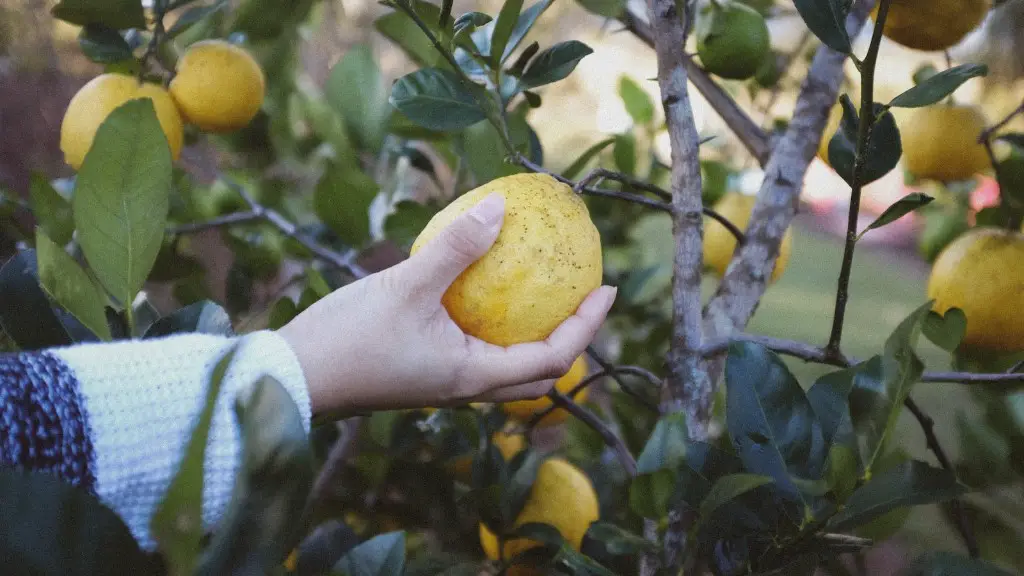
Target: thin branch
[(333, 466), (586, 382), (160, 8), (991, 130), (590, 419), (218, 222), (959, 515), (1014, 220), (597, 175), (611, 369)]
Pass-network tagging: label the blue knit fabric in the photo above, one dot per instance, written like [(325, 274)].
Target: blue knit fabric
[(43, 424)]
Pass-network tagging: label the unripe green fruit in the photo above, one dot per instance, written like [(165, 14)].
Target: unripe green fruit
[(732, 40)]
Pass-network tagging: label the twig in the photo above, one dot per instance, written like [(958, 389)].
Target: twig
[(218, 222), (159, 9), (333, 466), (988, 132), (865, 126), (957, 509), (1014, 221), (611, 369), (631, 370), (591, 420), (597, 175)]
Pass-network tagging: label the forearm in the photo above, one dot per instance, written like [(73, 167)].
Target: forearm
[(115, 418)]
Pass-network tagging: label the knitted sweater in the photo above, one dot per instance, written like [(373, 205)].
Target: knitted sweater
[(115, 418)]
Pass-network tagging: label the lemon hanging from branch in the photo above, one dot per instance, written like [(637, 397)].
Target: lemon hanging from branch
[(732, 39), (932, 24), (219, 87)]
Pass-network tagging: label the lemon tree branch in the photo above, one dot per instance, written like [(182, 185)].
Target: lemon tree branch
[(590, 419)]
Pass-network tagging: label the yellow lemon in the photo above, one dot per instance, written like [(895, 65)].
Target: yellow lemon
[(546, 260), (562, 497), (219, 87), (835, 116), (523, 410), (91, 105), (980, 272), (941, 142), (932, 24), (719, 243)]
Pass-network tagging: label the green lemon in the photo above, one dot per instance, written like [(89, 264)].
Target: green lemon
[(732, 40)]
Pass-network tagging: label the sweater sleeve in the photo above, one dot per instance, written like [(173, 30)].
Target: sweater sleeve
[(115, 418)]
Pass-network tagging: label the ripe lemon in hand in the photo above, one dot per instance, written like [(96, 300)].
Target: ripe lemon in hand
[(981, 273), (91, 105), (523, 410), (719, 243), (546, 260), (219, 87), (941, 142), (563, 497), (732, 40), (932, 24)]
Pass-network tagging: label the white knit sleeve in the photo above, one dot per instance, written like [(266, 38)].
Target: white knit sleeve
[(142, 400)]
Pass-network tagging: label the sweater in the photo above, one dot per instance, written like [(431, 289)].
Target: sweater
[(114, 418)]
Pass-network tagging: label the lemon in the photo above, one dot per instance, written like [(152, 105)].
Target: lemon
[(932, 24), (523, 410), (732, 40), (546, 260), (719, 243), (980, 272), (562, 497), (219, 87), (941, 142), (91, 105), (835, 117)]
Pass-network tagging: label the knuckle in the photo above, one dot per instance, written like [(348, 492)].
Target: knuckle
[(560, 364), (462, 243), (538, 389)]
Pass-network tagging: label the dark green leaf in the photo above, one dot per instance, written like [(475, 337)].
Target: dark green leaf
[(666, 447), (829, 397), (69, 285), (727, 488), (50, 527), (103, 45), (901, 208), (883, 150), (618, 541), (579, 563), (507, 19), (401, 30), (484, 152), (638, 102), (25, 312), (51, 210), (544, 533), (624, 153), (342, 201), (649, 493), (909, 484), (770, 421), (407, 221), (177, 524), (191, 17), (827, 19), (942, 563), (116, 14), (382, 555), (261, 524), (121, 198), (584, 159), (947, 331), (937, 87), (355, 88), (554, 63), (438, 100), (269, 20), (842, 470), (527, 18), (607, 8), (523, 472), (203, 317)]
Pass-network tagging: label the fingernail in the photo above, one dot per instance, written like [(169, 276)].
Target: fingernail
[(489, 210), (610, 293)]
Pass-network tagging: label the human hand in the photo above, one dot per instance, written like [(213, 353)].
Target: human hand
[(386, 342)]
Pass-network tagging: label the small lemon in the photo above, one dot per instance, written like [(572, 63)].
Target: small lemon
[(719, 243), (91, 105), (932, 24), (546, 260), (219, 87), (732, 40), (523, 410), (980, 272), (941, 142)]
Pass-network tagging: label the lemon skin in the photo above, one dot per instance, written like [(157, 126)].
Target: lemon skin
[(219, 87)]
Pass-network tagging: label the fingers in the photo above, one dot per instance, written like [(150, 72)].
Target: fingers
[(517, 392), (460, 244), (537, 361)]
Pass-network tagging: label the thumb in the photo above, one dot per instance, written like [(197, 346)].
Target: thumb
[(460, 244)]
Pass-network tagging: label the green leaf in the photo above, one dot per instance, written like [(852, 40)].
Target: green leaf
[(939, 86), (103, 45), (522, 474), (827, 20), (947, 331), (649, 493), (342, 201), (607, 8), (578, 563), (437, 99), (203, 317), (121, 198), (554, 63), (484, 152), (401, 30), (881, 386), (624, 153), (262, 521), (48, 526), (116, 14), (543, 533), (193, 16), (829, 397), (715, 177), (727, 488), (51, 210), (382, 555), (25, 312), (506, 22), (576, 168), (899, 209), (66, 282), (618, 541), (883, 150), (177, 524), (407, 221), (910, 484), (281, 313), (666, 447), (771, 422), (638, 103), (527, 18), (942, 563), (355, 88)]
